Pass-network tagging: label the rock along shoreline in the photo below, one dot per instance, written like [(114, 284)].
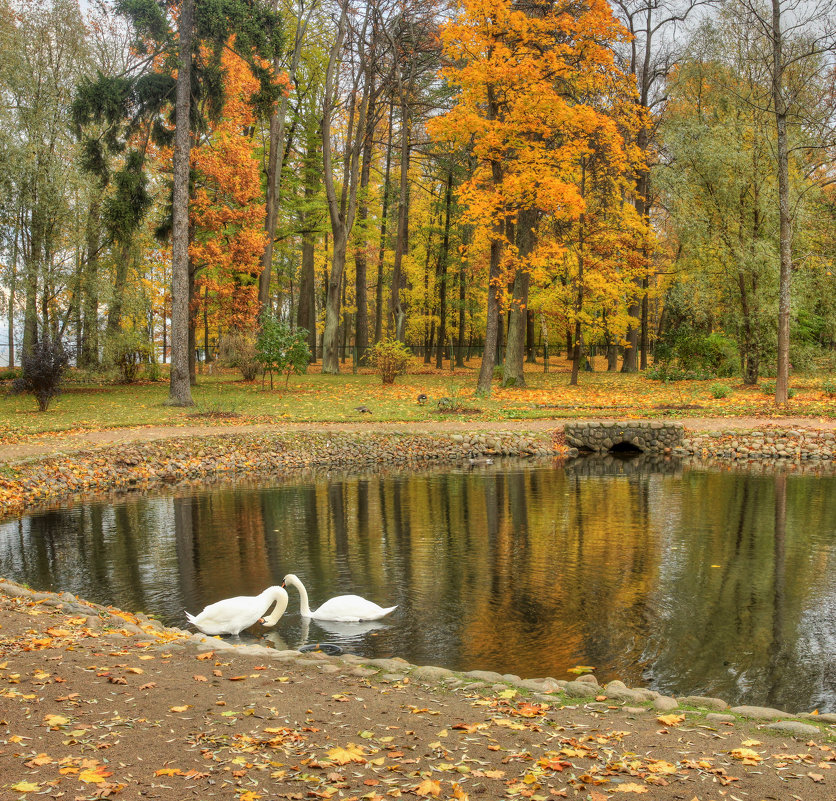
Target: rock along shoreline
[(107, 621)]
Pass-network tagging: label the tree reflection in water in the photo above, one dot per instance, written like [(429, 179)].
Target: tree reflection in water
[(691, 580)]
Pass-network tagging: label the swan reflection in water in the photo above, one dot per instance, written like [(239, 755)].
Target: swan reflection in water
[(346, 635)]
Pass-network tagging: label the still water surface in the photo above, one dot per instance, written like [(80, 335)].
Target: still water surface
[(693, 581)]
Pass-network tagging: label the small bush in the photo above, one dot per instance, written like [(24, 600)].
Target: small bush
[(828, 386), (720, 391), (153, 371), (9, 374), (389, 357), (281, 349), (238, 351), (127, 351), (43, 369), (768, 388)]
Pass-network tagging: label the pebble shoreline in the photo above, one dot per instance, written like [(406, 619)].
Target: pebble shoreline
[(584, 689)]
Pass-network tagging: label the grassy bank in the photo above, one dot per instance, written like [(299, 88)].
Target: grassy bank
[(222, 398)]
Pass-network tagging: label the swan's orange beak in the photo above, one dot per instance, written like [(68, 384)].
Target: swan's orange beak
[(283, 584), (261, 620)]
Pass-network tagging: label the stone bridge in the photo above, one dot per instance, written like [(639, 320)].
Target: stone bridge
[(649, 436)]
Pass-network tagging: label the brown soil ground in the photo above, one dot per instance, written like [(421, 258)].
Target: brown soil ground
[(50, 444), (93, 706)]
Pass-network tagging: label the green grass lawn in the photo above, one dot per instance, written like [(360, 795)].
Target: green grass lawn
[(222, 399)]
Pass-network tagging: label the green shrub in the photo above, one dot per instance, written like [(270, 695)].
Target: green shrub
[(389, 357), (153, 371), (43, 369), (10, 374), (720, 391), (281, 349), (767, 387), (127, 351), (828, 386), (714, 354)]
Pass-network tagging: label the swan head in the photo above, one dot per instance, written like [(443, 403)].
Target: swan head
[(280, 595), (290, 578)]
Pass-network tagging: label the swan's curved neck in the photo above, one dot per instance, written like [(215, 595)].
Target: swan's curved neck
[(303, 596), (279, 595)]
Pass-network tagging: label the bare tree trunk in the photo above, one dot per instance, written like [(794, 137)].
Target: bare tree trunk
[(462, 301), (180, 393)]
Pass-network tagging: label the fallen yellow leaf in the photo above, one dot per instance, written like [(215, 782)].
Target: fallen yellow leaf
[(25, 787), (351, 753), (670, 720), (180, 708), (631, 787), (428, 787), (96, 776), (746, 755)]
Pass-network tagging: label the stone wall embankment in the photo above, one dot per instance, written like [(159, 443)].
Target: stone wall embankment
[(768, 443), (172, 462)]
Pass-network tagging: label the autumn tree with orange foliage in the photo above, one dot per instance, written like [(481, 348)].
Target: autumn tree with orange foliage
[(532, 80), (227, 207)]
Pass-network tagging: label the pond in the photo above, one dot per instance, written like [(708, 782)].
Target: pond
[(687, 580)]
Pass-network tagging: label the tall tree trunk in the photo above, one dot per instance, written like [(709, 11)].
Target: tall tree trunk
[(643, 341), (30, 319), (361, 321), (530, 336), (206, 356), (120, 280), (483, 386), (443, 257), (330, 340), (785, 223), (275, 161), (384, 216), (306, 310), (462, 301), (397, 314), (89, 353), (192, 330), (180, 393), (578, 352), (341, 210), (12, 290), (513, 373)]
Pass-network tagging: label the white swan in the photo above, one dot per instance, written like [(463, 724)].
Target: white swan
[(233, 615), (342, 608)]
